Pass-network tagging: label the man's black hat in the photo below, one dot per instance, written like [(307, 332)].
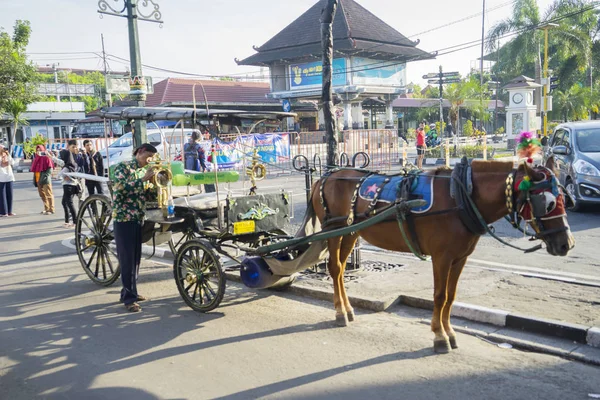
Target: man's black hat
[(146, 147)]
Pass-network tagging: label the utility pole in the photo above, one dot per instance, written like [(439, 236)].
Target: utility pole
[(497, 88), (327, 16), (545, 75), (481, 65), (442, 78), (54, 70), (441, 132), (108, 96), (133, 13)]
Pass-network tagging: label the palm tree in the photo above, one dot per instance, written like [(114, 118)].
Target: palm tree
[(464, 95), (15, 110), (573, 104), (570, 43)]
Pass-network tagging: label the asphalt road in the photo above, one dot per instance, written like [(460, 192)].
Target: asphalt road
[(63, 337)]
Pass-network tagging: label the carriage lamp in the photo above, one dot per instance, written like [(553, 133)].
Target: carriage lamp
[(162, 179), (256, 171)]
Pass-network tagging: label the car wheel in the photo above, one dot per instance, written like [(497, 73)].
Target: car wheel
[(570, 187)]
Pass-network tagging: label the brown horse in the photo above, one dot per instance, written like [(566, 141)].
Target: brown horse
[(440, 235)]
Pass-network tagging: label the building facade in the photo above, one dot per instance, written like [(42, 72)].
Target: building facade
[(370, 61)]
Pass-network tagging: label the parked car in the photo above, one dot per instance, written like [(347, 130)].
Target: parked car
[(575, 148)]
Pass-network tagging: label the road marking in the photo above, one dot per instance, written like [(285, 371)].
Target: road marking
[(541, 273)]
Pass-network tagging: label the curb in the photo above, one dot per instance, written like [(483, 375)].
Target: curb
[(587, 335), (578, 333)]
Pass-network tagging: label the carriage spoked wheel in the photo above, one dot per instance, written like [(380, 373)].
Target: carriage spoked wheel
[(94, 240), (199, 276)]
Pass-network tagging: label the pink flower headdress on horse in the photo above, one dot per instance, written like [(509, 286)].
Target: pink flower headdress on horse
[(528, 146)]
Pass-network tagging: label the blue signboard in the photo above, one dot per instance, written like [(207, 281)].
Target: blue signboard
[(286, 105), (311, 74), (381, 73)]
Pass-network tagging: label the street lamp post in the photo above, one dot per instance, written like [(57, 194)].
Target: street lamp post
[(132, 11), (545, 73)]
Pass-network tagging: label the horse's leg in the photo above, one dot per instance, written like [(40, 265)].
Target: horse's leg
[(335, 270), (455, 271), (347, 246), (441, 269)]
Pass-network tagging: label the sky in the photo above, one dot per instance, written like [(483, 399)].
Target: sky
[(205, 36)]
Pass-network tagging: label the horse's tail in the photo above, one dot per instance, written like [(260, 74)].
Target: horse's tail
[(311, 223)]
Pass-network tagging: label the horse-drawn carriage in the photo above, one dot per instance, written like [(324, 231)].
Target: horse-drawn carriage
[(439, 213), (202, 226)]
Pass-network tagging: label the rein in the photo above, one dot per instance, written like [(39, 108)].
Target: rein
[(486, 226)]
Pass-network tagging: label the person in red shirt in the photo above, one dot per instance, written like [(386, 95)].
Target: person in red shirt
[(421, 146)]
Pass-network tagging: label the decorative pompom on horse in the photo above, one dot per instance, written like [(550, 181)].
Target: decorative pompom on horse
[(528, 146)]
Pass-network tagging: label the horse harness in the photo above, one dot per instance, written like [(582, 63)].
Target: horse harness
[(403, 214), (541, 198), (540, 204)]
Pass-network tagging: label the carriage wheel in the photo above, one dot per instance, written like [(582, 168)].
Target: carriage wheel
[(94, 240), (199, 276), (178, 239)]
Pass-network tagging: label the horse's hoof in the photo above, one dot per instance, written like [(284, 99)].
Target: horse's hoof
[(341, 320), (441, 346), (453, 342), (350, 315)]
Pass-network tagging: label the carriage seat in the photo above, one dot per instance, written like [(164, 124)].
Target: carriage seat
[(203, 201)]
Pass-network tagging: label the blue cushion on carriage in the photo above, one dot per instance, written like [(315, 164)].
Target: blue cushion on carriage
[(422, 188)]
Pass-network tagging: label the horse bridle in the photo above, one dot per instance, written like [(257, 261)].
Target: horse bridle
[(535, 197)]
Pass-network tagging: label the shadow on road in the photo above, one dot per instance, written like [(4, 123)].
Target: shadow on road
[(59, 343)]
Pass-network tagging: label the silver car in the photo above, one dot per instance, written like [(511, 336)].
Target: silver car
[(575, 148)]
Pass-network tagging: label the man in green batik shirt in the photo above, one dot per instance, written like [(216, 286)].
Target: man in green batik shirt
[(131, 191)]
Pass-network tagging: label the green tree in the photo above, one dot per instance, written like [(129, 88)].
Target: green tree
[(573, 104), (467, 94), (570, 44), (15, 109), (90, 78), (17, 75)]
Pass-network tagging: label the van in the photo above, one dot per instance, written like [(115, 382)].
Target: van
[(122, 149)]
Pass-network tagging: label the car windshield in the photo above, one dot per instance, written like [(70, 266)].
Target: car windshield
[(124, 141), (588, 140)]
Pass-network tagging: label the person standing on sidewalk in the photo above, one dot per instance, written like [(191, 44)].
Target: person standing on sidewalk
[(92, 165), (7, 177), (70, 186), (421, 146), (42, 177), (131, 191)]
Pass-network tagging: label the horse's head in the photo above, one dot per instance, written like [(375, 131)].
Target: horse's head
[(542, 202)]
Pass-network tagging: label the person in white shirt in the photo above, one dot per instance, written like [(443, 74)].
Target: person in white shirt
[(7, 177)]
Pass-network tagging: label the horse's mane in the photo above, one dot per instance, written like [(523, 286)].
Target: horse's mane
[(492, 167)]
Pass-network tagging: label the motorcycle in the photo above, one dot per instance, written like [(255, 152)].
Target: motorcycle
[(432, 142)]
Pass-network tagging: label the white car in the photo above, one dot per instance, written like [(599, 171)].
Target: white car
[(122, 148)]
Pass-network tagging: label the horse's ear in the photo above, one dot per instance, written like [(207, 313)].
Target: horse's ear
[(532, 173)]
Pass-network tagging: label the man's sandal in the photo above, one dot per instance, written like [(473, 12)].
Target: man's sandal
[(142, 298), (133, 307)]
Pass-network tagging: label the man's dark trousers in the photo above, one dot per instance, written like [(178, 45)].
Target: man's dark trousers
[(93, 185), (128, 238)]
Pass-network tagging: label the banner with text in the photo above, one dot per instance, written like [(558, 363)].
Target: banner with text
[(271, 148), (311, 74)]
